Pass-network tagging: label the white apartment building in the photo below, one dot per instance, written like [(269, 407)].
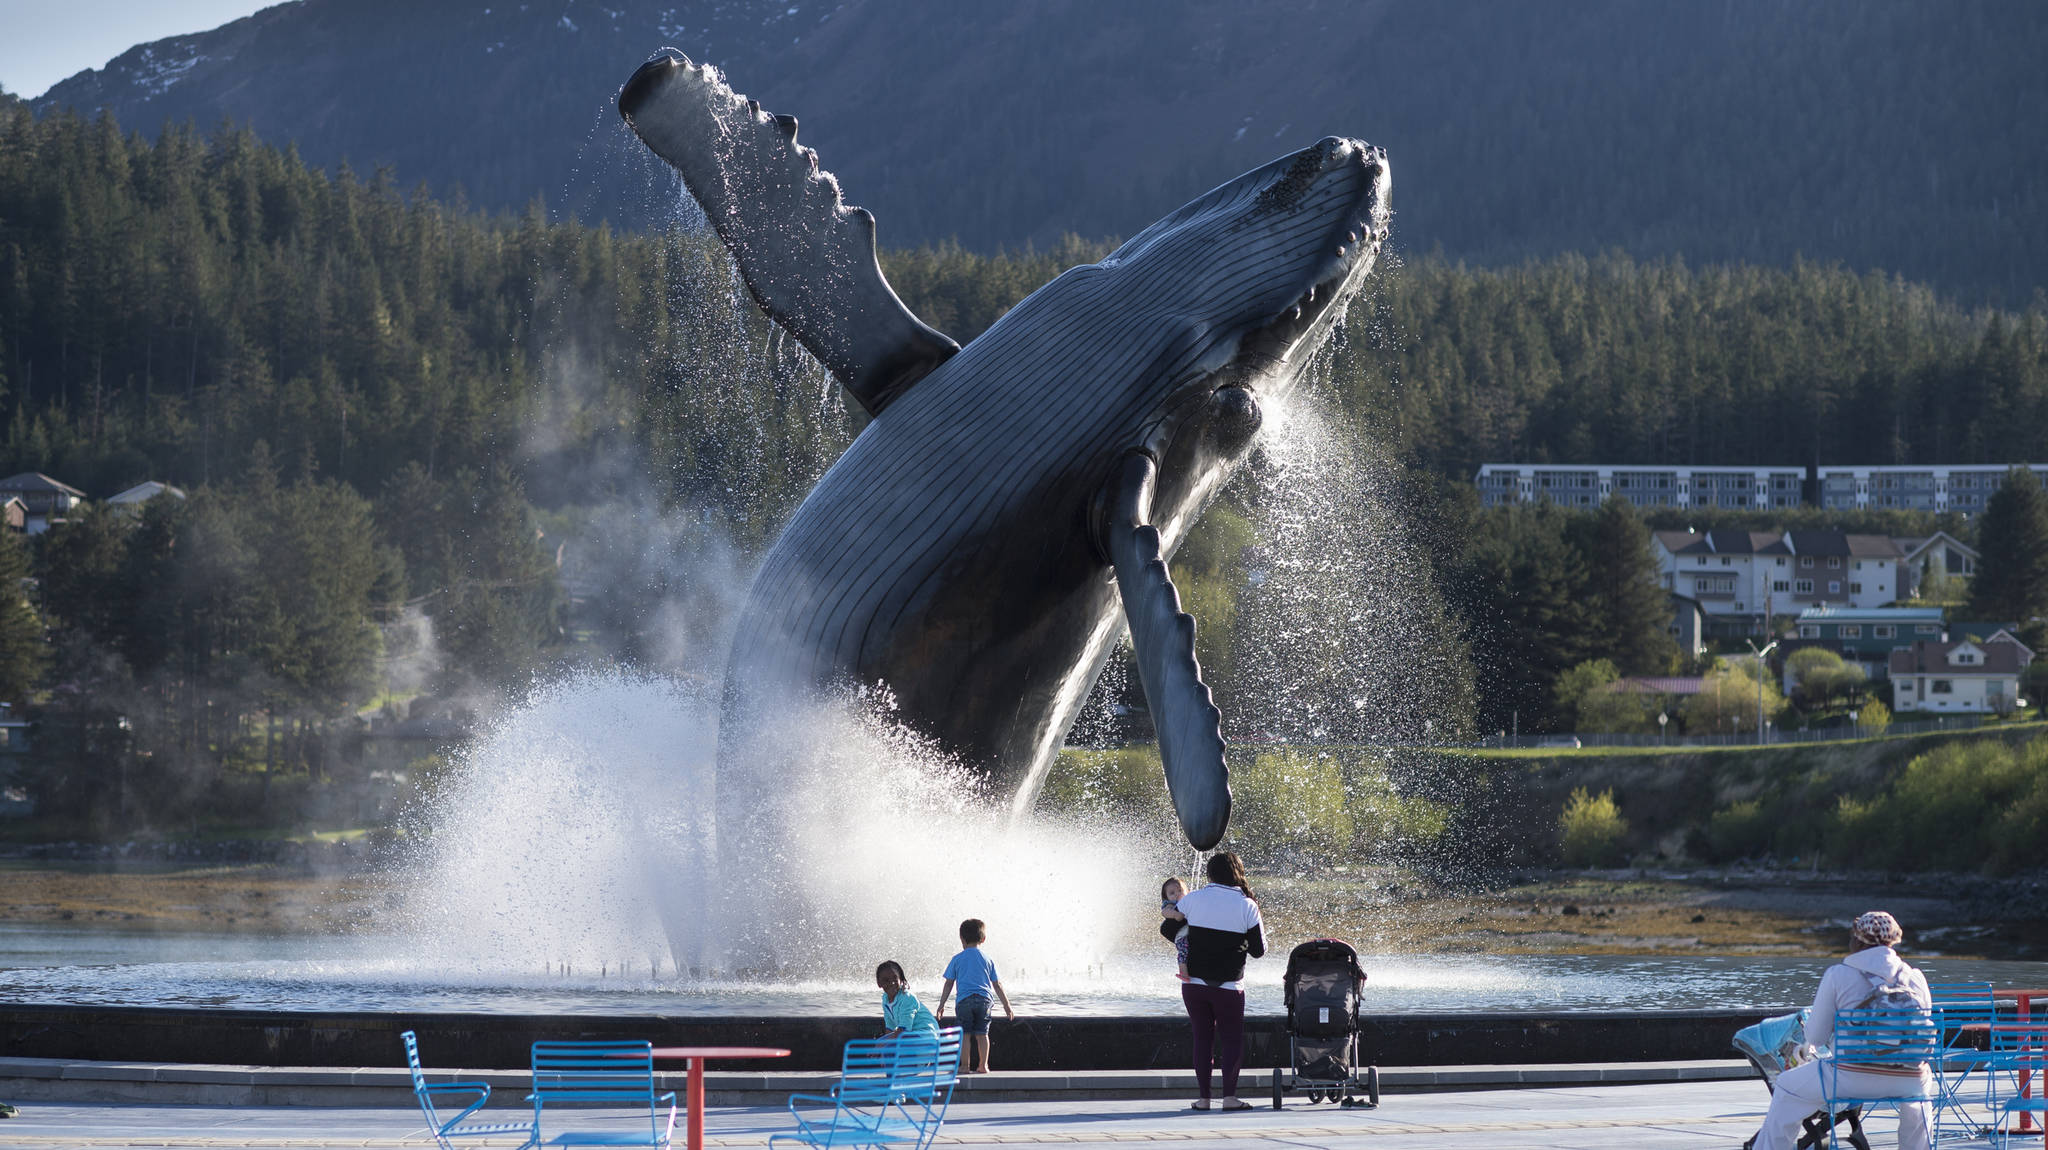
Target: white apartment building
[(1589, 485), (1946, 487), (1934, 488)]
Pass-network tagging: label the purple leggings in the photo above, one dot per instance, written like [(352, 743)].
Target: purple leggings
[(1218, 1018)]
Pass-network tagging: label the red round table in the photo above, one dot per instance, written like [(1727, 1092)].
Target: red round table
[(2024, 1004), (693, 1099)]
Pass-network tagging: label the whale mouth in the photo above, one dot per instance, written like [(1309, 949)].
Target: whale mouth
[(1354, 249)]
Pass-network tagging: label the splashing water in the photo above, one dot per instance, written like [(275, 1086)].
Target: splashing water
[(576, 825), (1352, 636)]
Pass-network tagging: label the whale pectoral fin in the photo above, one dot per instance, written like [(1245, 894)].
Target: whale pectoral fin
[(1190, 727), (808, 259)]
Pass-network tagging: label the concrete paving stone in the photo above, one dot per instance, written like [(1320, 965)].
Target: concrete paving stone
[(1577, 1117), (95, 1071), (221, 1075)]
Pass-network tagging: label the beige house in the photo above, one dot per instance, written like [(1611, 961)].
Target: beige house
[(1960, 676)]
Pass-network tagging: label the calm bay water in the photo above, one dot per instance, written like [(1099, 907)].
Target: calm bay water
[(66, 965)]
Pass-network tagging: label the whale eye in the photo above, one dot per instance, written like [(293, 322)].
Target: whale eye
[(1234, 414)]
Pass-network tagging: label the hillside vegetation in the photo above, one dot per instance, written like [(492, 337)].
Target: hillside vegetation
[(552, 444)]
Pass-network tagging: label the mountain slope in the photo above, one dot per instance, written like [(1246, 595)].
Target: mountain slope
[(1884, 133)]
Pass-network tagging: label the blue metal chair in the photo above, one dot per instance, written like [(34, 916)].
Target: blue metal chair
[(1965, 1011), (1887, 1043), (585, 1074), (2020, 1049), (891, 1091), (443, 1130)]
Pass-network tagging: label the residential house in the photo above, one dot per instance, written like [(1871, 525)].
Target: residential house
[(44, 500), (1689, 625), (1866, 636), (131, 500), (1741, 579), (14, 513), (1936, 556), (1959, 676)]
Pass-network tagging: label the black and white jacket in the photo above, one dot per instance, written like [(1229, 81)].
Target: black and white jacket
[(1223, 928)]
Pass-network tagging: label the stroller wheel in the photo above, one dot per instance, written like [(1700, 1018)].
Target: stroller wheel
[(1278, 1089), (1372, 1086)]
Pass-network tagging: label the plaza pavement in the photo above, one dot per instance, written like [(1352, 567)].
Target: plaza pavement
[(1686, 1114)]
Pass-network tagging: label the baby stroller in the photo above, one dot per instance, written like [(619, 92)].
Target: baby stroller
[(1770, 1046), (1323, 984)]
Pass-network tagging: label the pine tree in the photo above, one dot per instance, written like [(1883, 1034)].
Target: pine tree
[(23, 652), (2011, 583), (1629, 610)]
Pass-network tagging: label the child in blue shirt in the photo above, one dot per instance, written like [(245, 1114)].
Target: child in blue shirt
[(901, 1011), (976, 974)]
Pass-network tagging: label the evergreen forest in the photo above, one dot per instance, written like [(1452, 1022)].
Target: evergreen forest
[(432, 453)]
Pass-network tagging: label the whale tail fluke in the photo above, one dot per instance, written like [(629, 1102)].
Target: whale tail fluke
[(807, 257)]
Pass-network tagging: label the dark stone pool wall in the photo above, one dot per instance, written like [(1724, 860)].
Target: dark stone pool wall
[(494, 1041)]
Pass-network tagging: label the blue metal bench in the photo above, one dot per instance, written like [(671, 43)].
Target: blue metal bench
[(444, 1130), (2020, 1048), (1881, 1041), (1966, 1011), (891, 1091), (608, 1074)]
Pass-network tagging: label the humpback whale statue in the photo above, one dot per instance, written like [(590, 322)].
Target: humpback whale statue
[(1013, 503)]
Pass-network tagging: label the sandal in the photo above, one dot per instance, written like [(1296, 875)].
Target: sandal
[(1199, 1104), (1237, 1104)]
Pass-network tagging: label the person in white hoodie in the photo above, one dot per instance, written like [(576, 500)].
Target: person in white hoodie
[(1849, 985), (1223, 929)]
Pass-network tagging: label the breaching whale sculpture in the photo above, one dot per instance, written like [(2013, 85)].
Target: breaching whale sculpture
[(970, 548)]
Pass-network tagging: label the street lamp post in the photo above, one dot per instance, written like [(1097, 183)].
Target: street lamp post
[(1762, 668)]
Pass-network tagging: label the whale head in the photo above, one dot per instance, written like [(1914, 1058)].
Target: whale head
[(1236, 290)]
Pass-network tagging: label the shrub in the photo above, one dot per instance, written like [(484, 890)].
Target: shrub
[(1740, 831), (1389, 826), (1873, 717), (1291, 804), (1591, 829), (1730, 693), (1125, 782), (1978, 805)]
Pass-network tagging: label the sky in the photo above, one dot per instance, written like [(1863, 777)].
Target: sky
[(44, 41)]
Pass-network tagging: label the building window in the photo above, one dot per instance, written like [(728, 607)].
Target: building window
[(1803, 587), (1809, 631), (1806, 560), (1942, 687), (1964, 658), (1849, 631), (1927, 628), (1834, 586), (1883, 631), (1834, 562), (1727, 562), (1855, 588), (1780, 586), (1781, 560)]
